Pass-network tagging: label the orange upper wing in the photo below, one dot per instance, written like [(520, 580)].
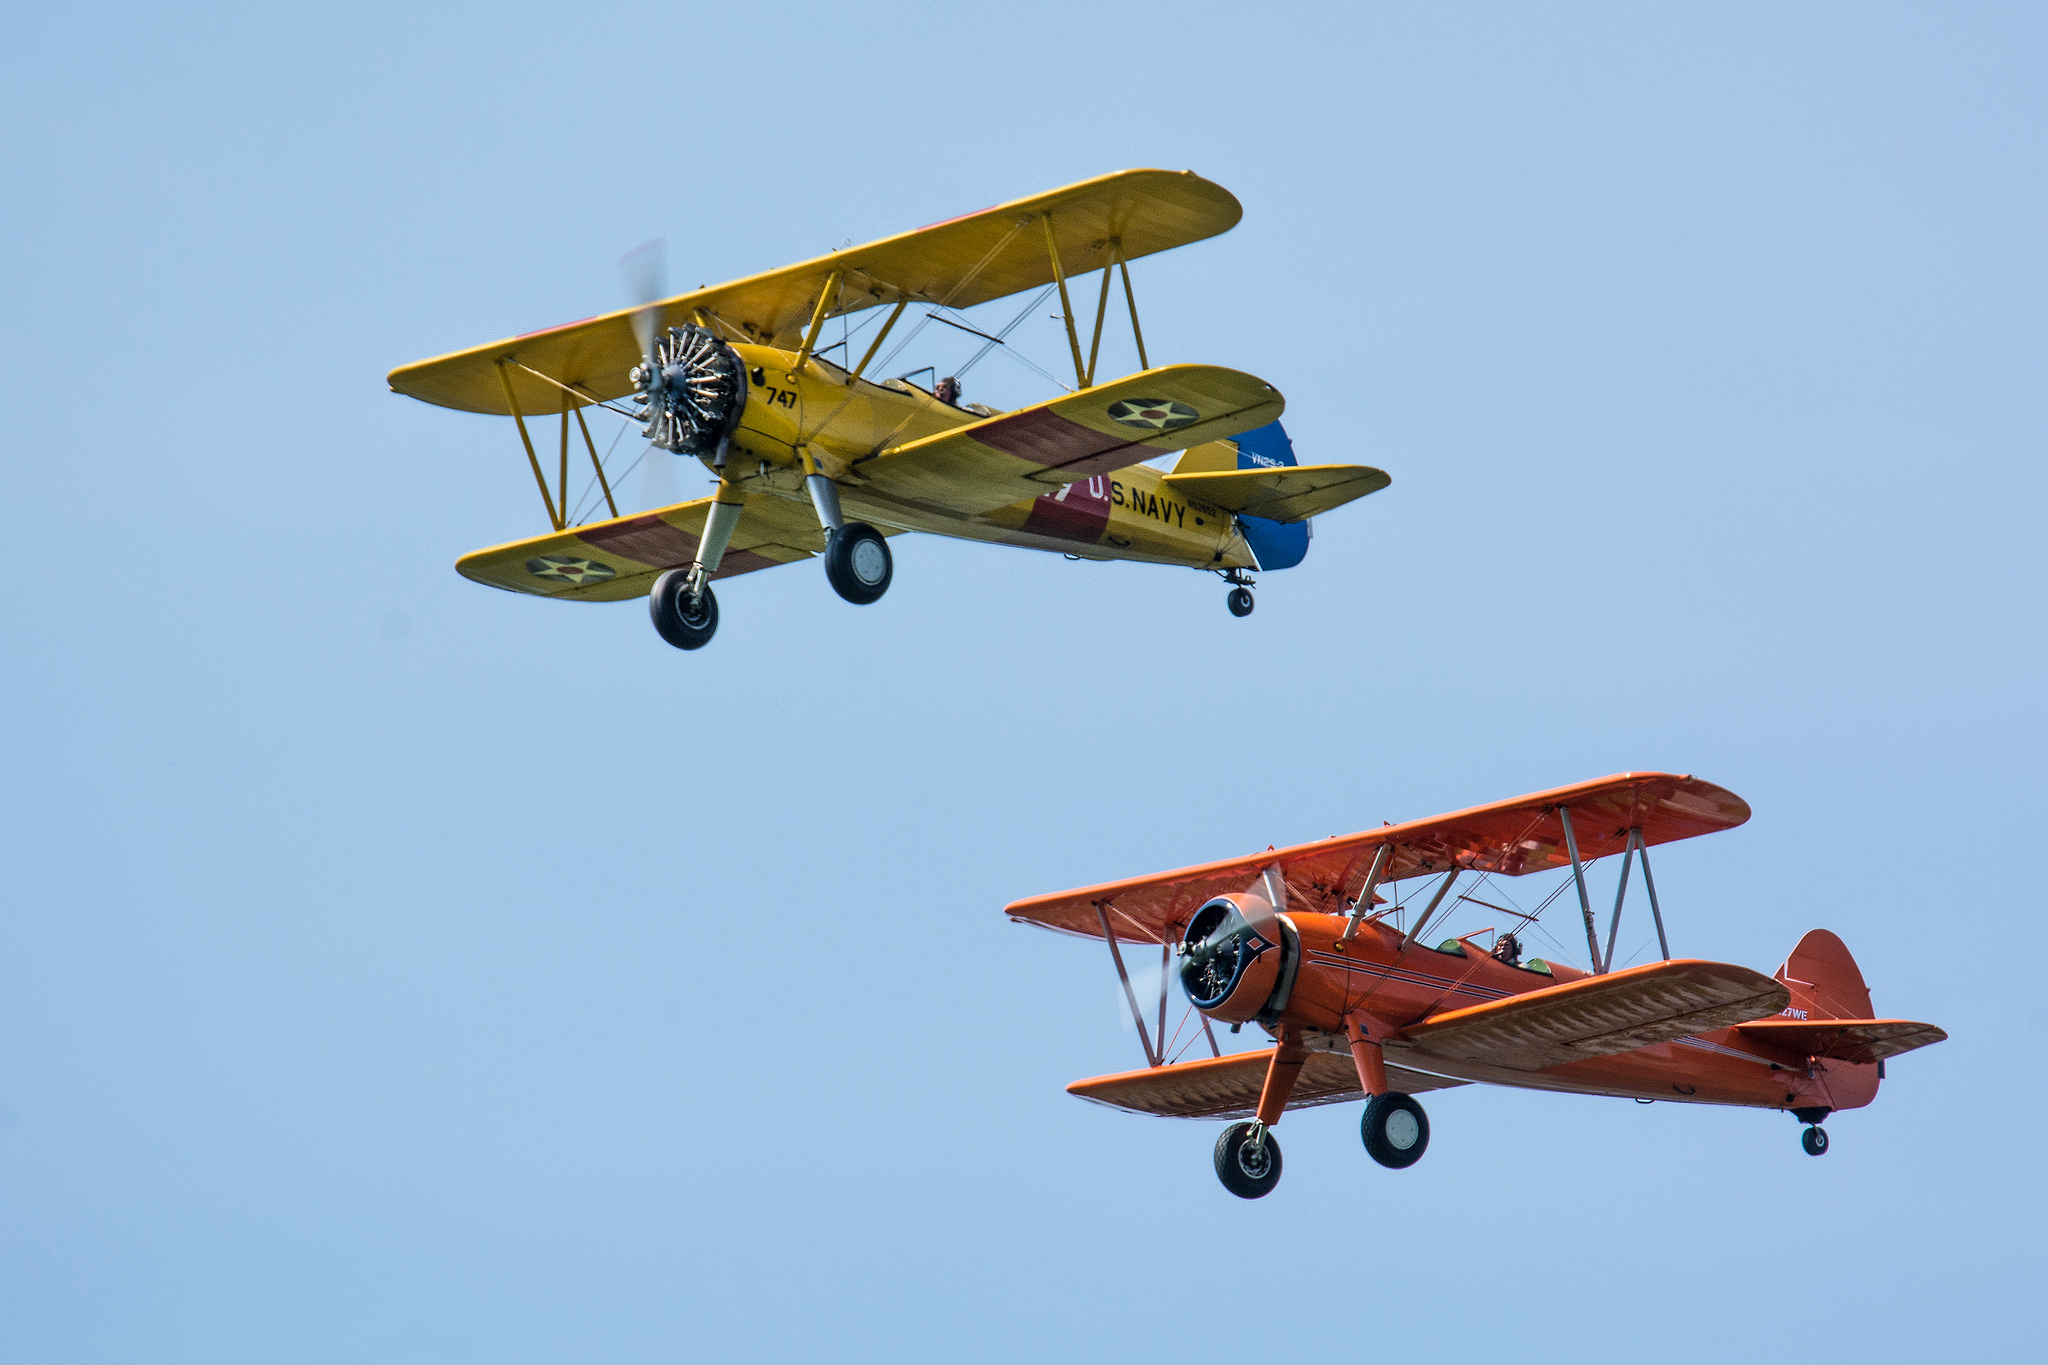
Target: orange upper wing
[(1509, 838), (1600, 1015)]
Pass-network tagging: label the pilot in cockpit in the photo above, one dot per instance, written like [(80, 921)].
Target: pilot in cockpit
[(947, 391), (1507, 948)]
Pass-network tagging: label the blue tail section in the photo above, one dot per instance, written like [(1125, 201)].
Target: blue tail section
[(1275, 544)]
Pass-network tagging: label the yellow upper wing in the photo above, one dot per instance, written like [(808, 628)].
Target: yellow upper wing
[(608, 561), (1005, 459), (1286, 494), (961, 262)]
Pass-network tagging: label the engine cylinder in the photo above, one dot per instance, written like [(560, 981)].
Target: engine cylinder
[(693, 393)]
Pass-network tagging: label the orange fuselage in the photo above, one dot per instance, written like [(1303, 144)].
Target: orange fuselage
[(1372, 975)]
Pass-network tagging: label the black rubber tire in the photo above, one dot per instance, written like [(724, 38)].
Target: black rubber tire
[(1240, 601), (1395, 1129), (1815, 1141), (1243, 1174), (682, 628), (858, 564)]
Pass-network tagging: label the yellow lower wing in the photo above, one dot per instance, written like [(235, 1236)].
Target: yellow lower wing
[(1289, 494), (609, 561), (1022, 454)]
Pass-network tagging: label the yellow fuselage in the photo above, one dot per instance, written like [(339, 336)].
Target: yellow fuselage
[(841, 423)]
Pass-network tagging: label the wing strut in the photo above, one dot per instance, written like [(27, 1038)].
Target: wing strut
[(1363, 905), (527, 441), (1635, 848), (1137, 1015), (880, 337), (1643, 849), (1059, 276), (597, 464), (1131, 299), (1101, 311), (826, 298), (1430, 911), (1571, 844)]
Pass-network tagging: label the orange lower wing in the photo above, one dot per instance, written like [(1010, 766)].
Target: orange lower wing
[(1228, 1087)]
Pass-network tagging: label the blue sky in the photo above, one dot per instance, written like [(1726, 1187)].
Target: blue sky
[(398, 970)]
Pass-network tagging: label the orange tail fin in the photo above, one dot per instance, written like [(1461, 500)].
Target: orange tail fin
[(1824, 980)]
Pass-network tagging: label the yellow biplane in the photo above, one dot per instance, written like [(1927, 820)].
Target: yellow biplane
[(813, 458)]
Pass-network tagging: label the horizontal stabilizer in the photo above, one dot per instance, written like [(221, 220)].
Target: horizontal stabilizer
[(1598, 1016), (1843, 1040), (1228, 1087), (1291, 494)]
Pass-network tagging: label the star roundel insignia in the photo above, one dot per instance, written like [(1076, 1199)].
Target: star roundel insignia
[(1154, 414), (566, 569)]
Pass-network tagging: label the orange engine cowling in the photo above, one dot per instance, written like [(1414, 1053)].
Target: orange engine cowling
[(1238, 959)]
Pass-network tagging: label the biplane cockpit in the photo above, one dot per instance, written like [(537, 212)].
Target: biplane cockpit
[(816, 458)]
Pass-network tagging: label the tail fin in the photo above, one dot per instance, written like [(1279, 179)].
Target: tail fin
[(1824, 980), (1265, 447), (1276, 545)]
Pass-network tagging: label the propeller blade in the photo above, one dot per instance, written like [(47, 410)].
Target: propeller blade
[(661, 481), (645, 270)]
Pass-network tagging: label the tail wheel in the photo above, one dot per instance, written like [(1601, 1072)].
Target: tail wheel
[(1248, 1169), (678, 620), (1815, 1141), (857, 563), (1240, 601), (1395, 1129)]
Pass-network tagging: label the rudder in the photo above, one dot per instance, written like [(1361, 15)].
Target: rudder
[(1275, 545), (1824, 980)]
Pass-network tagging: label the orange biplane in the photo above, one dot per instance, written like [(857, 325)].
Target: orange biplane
[(1361, 1006), (817, 458)]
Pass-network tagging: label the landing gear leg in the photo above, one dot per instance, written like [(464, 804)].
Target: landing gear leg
[(857, 560), (1240, 597), (1247, 1156), (684, 611)]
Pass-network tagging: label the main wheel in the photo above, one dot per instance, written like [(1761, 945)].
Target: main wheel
[(1395, 1129), (857, 563), (682, 623), (1240, 600), (1815, 1141), (1247, 1171)]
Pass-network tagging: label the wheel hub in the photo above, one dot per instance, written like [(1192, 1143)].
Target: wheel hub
[(868, 564)]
